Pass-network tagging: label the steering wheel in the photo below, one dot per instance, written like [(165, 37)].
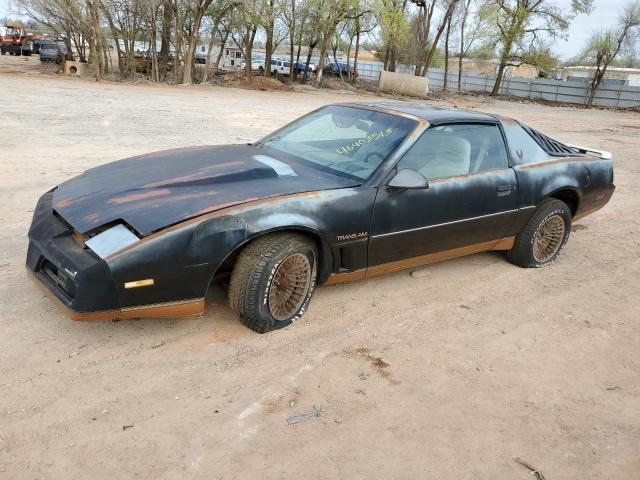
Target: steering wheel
[(374, 154)]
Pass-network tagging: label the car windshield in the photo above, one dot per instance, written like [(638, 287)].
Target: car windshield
[(344, 140)]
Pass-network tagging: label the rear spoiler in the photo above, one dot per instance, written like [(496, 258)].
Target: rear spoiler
[(588, 150)]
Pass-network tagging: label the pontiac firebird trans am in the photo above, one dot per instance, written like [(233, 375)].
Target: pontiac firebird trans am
[(346, 192)]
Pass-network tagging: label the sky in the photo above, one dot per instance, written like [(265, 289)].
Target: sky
[(604, 15)]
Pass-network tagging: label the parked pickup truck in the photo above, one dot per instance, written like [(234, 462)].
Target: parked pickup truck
[(54, 52)]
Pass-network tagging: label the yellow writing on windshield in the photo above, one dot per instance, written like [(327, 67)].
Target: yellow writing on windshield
[(372, 137)]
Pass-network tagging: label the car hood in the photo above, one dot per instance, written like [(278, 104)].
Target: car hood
[(153, 191)]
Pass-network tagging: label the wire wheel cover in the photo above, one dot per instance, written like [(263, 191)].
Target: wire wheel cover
[(290, 286), (548, 239)]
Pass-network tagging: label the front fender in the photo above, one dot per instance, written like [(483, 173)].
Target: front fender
[(183, 259)]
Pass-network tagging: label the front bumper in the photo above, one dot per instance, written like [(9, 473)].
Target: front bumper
[(78, 280), (74, 275)]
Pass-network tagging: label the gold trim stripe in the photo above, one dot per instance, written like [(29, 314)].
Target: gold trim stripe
[(501, 244)]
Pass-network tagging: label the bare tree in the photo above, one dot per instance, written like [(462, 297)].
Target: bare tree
[(328, 14), (191, 14), (603, 47), (424, 45), (69, 18), (289, 11), (245, 21), (216, 14), (125, 19)]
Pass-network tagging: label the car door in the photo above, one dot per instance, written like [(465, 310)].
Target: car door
[(470, 201)]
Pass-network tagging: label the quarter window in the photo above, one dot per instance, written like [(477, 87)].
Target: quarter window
[(454, 150), (524, 149)]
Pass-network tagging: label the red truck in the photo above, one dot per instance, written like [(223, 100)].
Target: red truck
[(16, 40)]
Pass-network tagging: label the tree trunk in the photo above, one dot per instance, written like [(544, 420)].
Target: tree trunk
[(357, 51), (446, 55), (121, 62), (334, 49), (191, 48), (221, 51), (595, 84), (214, 32), (447, 17), (165, 45), (67, 43), (96, 51), (248, 49), (292, 37), (269, 42), (462, 26), (504, 58), (392, 60), (300, 32), (312, 45), (323, 56), (349, 58)]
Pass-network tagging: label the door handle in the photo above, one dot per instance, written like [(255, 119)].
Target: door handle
[(505, 189)]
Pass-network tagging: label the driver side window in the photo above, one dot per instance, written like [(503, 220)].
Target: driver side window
[(455, 150)]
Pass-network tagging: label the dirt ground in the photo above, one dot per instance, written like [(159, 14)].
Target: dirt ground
[(448, 375)]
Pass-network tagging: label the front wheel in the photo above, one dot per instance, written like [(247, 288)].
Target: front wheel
[(543, 237), (273, 281)]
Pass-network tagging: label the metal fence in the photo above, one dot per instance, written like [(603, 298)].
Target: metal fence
[(371, 70), (609, 94)]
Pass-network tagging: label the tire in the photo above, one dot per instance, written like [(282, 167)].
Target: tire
[(544, 236), (255, 294)]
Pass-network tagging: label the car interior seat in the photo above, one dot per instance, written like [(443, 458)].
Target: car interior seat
[(448, 155)]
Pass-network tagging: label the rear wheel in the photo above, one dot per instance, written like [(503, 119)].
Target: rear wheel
[(273, 281), (543, 237)]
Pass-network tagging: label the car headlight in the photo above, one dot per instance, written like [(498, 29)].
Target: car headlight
[(112, 240)]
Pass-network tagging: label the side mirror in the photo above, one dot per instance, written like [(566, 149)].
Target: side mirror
[(407, 178)]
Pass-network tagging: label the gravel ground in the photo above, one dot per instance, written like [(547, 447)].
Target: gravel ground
[(450, 375)]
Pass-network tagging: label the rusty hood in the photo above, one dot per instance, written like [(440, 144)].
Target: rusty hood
[(153, 191)]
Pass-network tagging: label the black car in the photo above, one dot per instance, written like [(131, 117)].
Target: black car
[(346, 192)]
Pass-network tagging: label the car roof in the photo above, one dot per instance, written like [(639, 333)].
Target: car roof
[(431, 113)]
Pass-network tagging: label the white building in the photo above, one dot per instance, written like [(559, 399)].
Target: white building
[(231, 58), (625, 76)]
